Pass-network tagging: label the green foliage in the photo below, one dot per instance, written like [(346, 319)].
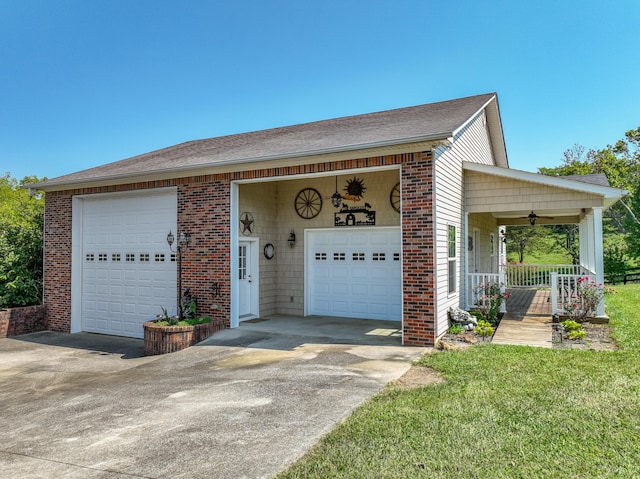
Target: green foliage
[(577, 334), (621, 165), (571, 325), (588, 295), (484, 329), (623, 309), (456, 329), (615, 260), (173, 321), (21, 228), (490, 297), (479, 315)]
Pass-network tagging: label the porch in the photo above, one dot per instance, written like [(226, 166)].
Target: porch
[(534, 288), (496, 198)]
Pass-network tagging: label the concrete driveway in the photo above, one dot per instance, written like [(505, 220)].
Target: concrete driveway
[(243, 404)]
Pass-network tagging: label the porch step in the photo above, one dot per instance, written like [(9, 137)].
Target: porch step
[(529, 331)]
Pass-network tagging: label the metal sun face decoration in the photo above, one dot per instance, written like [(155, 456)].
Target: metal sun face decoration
[(355, 189)]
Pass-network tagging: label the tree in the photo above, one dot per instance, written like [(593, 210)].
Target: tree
[(21, 225), (522, 239), (621, 165)]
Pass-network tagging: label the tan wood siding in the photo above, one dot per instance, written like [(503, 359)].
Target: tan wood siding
[(487, 193)]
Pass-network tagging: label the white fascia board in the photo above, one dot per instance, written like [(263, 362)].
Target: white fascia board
[(606, 192)]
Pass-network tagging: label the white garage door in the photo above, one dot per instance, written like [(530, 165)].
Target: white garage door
[(128, 271), (354, 273)]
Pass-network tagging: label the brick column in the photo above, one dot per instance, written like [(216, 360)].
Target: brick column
[(203, 210), (418, 250), (57, 261)]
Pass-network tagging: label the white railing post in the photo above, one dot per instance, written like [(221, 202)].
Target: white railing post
[(502, 281), (554, 293)]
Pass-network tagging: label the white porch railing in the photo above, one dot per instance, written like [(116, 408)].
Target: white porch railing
[(564, 289), (538, 275), (474, 280)]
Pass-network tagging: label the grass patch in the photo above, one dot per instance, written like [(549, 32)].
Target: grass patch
[(503, 412), (624, 312)]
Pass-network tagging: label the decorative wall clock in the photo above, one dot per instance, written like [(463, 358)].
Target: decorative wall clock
[(308, 203), (269, 251), (394, 197)]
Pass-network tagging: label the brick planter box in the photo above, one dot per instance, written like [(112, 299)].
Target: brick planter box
[(24, 320), (168, 339)]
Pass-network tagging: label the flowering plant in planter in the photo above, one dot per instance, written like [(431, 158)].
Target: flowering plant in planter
[(490, 296)]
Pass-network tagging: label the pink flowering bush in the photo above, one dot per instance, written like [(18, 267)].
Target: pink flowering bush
[(584, 303), (490, 296)]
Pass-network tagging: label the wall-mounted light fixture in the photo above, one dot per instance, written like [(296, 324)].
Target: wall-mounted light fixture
[(503, 236), (532, 218), (183, 243), (292, 239), (336, 198)]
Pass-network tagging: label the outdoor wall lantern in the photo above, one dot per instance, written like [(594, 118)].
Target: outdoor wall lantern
[(336, 198), (183, 243), (532, 218), (292, 239)]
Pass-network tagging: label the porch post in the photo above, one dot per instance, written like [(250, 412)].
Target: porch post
[(465, 274), (584, 237), (598, 253)]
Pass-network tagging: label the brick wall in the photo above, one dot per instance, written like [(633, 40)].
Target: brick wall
[(28, 319), (57, 261), (203, 210), (418, 249)]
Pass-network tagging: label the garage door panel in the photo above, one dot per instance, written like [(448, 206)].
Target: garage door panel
[(131, 275), (363, 273)]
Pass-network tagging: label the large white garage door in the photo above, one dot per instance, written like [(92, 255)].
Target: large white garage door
[(354, 273), (128, 271)]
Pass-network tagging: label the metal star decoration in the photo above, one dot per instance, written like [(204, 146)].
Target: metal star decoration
[(246, 220)]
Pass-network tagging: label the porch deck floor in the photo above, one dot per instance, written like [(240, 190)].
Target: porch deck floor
[(528, 319)]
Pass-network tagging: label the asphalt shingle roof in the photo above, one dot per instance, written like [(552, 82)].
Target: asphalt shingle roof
[(404, 125)]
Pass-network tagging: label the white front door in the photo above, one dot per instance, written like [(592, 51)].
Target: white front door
[(248, 279)]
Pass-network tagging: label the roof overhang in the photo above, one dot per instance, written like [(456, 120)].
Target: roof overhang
[(411, 145), (510, 200)]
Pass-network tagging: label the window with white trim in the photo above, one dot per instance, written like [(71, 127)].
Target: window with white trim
[(452, 260)]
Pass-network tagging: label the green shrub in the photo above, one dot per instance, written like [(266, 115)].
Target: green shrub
[(456, 329), (570, 325), (577, 334), (484, 329)]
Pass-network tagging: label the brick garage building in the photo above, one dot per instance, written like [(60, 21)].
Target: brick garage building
[(393, 248)]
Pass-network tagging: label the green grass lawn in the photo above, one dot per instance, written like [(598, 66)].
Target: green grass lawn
[(503, 412)]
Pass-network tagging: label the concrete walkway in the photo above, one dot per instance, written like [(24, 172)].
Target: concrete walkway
[(527, 321)]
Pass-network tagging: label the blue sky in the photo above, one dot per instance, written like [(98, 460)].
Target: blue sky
[(83, 83)]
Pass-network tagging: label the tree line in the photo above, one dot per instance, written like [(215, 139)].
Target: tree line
[(620, 163)]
